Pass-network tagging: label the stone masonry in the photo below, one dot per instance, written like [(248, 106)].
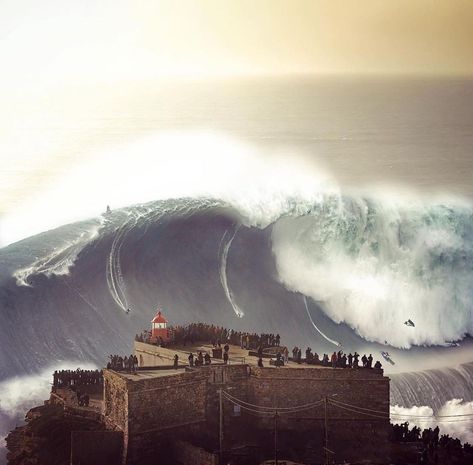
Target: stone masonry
[(160, 404)]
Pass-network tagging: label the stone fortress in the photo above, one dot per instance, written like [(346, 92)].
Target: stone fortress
[(238, 413)]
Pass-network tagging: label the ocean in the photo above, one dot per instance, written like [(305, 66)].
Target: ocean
[(329, 210)]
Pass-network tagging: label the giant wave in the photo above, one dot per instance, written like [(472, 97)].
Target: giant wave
[(354, 267)]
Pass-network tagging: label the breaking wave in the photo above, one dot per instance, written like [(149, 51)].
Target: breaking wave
[(61, 258), (432, 387), (373, 265), (327, 270), (369, 264)]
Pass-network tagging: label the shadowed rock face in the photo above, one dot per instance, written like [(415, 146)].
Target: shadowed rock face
[(46, 438)]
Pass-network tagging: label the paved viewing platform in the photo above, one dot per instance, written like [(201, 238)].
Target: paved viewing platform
[(152, 356)]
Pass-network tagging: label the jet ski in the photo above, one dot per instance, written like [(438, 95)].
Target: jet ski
[(128, 310), (409, 323), (452, 344), (387, 357)]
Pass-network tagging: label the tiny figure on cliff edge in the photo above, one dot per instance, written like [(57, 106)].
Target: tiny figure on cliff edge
[(176, 361), (334, 360)]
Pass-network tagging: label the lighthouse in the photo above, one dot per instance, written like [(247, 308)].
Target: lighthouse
[(159, 328)]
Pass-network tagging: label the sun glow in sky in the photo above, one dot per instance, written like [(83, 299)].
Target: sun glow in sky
[(62, 60)]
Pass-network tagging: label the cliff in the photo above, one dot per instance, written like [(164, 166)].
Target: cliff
[(46, 437)]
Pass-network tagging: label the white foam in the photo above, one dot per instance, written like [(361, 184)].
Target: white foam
[(60, 260), (456, 426), (169, 165), (19, 394), (374, 266)]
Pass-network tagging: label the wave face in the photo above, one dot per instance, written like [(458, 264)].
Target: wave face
[(332, 270), (191, 257), (432, 387)]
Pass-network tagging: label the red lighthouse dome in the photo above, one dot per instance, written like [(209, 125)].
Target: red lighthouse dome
[(159, 328)]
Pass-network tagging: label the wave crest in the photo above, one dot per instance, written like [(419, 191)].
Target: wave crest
[(61, 258)]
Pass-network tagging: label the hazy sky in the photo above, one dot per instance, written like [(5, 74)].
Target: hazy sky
[(59, 59), (122, 39)]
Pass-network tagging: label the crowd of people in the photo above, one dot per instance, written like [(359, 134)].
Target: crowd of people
[(206, 333), (75, 380), (202, 358), (126, 363), (336, 360), (68, 378), (196, 360), (217, 335), (431, 441)]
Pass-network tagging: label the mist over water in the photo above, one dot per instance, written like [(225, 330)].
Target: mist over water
[(21, 393), (383, 136)]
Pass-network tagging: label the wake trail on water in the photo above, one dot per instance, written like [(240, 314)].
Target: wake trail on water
[(316, 327), (76, 290), (115, 281), (225, 247)]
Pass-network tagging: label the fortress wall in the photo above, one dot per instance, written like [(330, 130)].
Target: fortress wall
[(115, 400), (166, 401), (234, 380), (288, 387), (177, 404), (188, 454), (350, 433), (163, 407)]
